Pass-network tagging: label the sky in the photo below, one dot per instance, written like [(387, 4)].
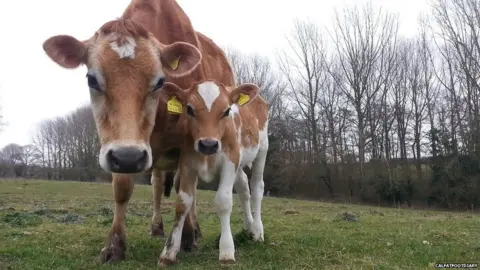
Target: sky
[(33, 88)]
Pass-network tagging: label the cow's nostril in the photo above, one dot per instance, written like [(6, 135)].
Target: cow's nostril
[(127, 159)]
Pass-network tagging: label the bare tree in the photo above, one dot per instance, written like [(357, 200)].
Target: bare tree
[(363, 41), (459, 37)]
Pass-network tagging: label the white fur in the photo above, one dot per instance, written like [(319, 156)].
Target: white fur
[(209, 92), (257, 185), (234, 110), (223, 205), (126, 50), (204, 172), (229, 176), (243, 191), (113, 145)]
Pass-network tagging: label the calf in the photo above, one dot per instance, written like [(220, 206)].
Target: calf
[(225, 129)]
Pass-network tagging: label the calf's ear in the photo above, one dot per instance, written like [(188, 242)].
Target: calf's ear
[(174, 97), (244, 94)]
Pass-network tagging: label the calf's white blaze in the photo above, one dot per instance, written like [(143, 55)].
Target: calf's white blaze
[(209, 92)]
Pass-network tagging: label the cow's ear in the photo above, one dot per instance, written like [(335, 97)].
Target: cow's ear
[(179, 59), (244, 94), (174, 97), (66, 51)]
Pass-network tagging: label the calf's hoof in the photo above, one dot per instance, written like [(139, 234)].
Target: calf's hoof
[(114, 251), (189, 242), (156, 230), (198, 232), (226, 262), (165, 262)]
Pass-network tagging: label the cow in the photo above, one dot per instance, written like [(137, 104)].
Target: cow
[(225, 129), (129, 59)]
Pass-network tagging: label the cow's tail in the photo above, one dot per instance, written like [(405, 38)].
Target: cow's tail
[(176, 181), (168, 183)]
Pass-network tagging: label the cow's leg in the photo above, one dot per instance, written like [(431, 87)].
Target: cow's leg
[(257, 185), (183, 206), (158, 178), (241, 187), (223, 204), (115, 247)]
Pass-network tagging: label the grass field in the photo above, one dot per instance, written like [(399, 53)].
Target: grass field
[(63, 225)]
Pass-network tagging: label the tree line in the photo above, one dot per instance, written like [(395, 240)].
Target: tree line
[(358, 113)]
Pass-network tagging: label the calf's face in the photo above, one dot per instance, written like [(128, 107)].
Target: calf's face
[(127, 68), (210, 109)]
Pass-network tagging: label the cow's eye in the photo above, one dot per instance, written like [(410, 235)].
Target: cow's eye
[(190, 111), (93, 83), (159, 84), (226, 113)]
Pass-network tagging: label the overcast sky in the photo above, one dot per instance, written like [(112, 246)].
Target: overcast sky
[(33, 88)]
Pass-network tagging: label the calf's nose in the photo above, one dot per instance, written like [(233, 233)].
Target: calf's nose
[(208, 146)]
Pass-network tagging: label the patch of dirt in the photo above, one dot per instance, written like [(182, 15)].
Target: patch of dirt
[(105, 211), (21, 219), (71, 218), (375, 212), (50, 213), (291, 212), (347, 217)]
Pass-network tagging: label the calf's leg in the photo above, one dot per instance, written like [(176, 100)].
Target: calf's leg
[(223, 205), (191, 227), (183, 205), (193, 213), (258, 187), (115, 247), (241, 187)]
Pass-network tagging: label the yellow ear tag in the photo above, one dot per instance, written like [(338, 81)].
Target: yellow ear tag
[(174, 63), (174, 106), (243, 99)]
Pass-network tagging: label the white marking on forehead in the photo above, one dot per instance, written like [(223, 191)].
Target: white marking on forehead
[(127, 50), (209, 92)]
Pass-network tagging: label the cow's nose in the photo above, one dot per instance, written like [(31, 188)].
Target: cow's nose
[(208, 146), (127, 160)]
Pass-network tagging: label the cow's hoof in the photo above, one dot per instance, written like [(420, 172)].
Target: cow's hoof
[(156, 230), (114, 251), (112, 254)]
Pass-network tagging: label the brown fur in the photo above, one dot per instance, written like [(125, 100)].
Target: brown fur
[(214, 124), (126, 109), (251, 119)]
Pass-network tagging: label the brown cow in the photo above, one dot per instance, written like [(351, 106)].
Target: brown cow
[(225, 129), (128, 61)]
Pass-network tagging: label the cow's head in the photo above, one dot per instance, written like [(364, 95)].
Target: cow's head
[(210, 108), (127, 67)]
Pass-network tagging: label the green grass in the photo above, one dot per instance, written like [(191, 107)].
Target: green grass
[(63, 225)]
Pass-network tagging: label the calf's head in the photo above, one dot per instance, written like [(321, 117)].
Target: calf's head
[(127, 68), (210, 110)]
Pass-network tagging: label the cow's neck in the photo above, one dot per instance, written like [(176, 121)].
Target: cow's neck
[(165, 19)]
